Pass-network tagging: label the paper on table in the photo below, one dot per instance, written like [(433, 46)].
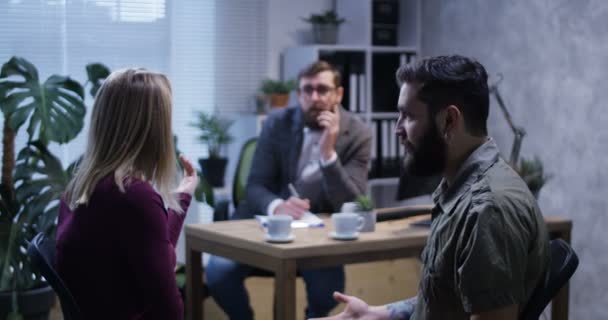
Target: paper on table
[(308, 220)]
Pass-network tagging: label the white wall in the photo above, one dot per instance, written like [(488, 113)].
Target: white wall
[(286, 28)]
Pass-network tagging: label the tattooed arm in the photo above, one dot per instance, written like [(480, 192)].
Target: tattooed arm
[(401, 310)]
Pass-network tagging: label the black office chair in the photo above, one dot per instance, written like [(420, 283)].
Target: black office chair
[(41, 252), (562, 266)]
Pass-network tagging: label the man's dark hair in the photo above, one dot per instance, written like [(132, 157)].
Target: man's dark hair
[(318, 67), (451, 80)]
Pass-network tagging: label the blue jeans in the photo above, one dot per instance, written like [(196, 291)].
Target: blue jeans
[(226, 283)]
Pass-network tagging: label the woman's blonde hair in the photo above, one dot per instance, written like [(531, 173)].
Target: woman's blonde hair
[(130, 135)]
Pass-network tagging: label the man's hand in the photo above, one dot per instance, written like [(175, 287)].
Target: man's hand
[(190, 179), (294, 207), (330, 122), (357, 309)]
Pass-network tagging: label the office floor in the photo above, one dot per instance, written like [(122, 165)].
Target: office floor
[(375, 282)]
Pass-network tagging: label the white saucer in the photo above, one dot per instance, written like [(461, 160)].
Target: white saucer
[(336, 236), (280, 240)]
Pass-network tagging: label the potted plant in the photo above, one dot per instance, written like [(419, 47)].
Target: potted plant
[(365, 209), (31, 186), (215, 134), (277, 91), (532, 172), (325, 26)]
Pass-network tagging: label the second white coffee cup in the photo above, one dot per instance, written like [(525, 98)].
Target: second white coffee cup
[(346, 224)]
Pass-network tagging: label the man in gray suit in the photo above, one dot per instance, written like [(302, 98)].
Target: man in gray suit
[(323, 151)]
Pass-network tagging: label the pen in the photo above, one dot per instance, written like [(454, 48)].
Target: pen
[(293, 190)]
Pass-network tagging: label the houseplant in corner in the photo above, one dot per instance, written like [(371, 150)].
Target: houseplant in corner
[(533, 173), (215, 134), (277, 91), (31, 186), (325, 26)]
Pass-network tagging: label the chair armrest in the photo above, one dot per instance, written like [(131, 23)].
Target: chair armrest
[(394, 213)]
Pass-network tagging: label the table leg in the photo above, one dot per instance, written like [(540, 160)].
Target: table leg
[(194, 270), (285, 291), (559, 304)]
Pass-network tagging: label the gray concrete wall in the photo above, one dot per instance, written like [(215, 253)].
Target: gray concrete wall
[(554, 58)]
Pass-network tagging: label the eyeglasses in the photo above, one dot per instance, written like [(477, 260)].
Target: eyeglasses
[(321, 90)]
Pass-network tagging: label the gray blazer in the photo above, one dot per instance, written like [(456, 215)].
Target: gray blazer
[(276, 158)]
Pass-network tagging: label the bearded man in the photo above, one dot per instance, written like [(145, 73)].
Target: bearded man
[(488, 246)]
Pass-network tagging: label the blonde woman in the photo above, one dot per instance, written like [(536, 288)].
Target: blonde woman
[(120, 217)]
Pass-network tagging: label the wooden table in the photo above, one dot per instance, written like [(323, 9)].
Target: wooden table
[(243, 241)]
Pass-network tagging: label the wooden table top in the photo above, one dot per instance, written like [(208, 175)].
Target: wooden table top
[(249, 235)]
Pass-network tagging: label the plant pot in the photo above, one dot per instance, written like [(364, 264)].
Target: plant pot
[(279, 100), (33, 304), (369, 220), (214, 170), (325, 33)]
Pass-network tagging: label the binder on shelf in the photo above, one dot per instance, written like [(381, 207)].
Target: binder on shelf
[(352, 93), (362, 103), (391, 140), (403, 59), (384, 35), (373, 155), (385, 11), (386, 139)]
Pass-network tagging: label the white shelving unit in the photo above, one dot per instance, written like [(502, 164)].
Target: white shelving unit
[(355, 39)]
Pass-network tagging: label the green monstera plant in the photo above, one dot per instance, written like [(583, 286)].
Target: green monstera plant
[(31, 186)]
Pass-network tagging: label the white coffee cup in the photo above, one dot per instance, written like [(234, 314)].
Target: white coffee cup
[(346, 224), (349, 207), (279, 226)]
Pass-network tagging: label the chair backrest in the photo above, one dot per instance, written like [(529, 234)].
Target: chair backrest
[(562, 265), (243, 168), (41, 252)]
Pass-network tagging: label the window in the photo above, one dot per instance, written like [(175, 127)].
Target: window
[(213, 51), (62, 37)]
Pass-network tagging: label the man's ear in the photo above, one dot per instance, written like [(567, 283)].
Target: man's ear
[(448, 119), (452, 117), (339, 96)]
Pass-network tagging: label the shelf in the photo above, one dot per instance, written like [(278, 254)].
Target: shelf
[(385, 115), (368, 72), (383, 182), (398, 49), (335, 47), (355, 48)]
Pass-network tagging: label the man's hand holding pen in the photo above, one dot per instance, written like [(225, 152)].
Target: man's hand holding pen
[(294, 206)]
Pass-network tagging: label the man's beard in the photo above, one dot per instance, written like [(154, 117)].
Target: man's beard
[(429, 157), (310, 118)]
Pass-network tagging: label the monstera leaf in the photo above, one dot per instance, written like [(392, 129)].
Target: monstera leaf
[(96, 72), (55, 109), (40, 180)]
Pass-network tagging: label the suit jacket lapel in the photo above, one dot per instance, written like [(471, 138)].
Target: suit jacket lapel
[(296, 136), (342, 140)]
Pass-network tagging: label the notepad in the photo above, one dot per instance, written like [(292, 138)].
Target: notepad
[(308, 220)]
